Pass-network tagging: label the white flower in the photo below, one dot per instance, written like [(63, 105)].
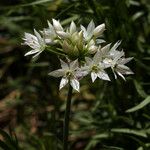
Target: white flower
[(49, 34), (88, 33), (92, 31), (95, 67), (36, 42), (117, 64), (69, 73), (121, 69)]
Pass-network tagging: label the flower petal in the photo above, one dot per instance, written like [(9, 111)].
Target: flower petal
[(63, 82), (31, 52), (36, 55), (88, 61), (90, 29), (103, 75), (121, 75), (125, 60), (97, 57), (116, 45), (75, 84), (57, 73), (72, 27), (93, 76), (123, 69), (105, 49), (57, 25), (99, 30), (64, 65), (63, 34), (74, 65)]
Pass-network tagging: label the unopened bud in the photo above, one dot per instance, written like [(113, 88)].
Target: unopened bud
[(99, 30), (72, 27), (57, 25)]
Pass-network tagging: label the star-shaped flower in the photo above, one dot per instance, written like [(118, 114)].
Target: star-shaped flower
[(69, 73), (95, 67), (49, 34), (117, 64), (36, 42), (92, 31)]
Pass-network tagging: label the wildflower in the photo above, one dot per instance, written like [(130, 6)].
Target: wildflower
[(69, 73), (92, 31), (49, 34), (117, 64), (95, 67), (36, 42)]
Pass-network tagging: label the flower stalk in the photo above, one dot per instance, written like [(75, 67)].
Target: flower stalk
[(66, 119)]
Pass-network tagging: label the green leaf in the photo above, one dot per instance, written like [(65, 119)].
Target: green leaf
[(139, 89), (140, 106), (137, 15), (130, 131), (28, 4)]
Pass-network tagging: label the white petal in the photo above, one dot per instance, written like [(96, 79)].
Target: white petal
[(97, 57), (40, 40), (93, 76), (30, 36), (81, 73), (72, 27), (75, 84), (74, 65), (103, 75), (63, 34), (123, 69), (121, 75), (36, 55), (57, 25), (84, 31), (57, 73), (100, 41), (90, 28), (88, 61), (118, 56), (114, 73), (64, 65), (50, 26), (99, 30), (105, 49), (125, 60), (31, 52), (63, 82), (115, 46)]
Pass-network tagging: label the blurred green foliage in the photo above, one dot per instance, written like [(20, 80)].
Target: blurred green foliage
[(30, 103)]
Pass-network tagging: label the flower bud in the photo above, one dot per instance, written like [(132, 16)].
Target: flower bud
[(72, 27), (93, 49), (99, 30), (63, 34), (57, 25), (66, 47)]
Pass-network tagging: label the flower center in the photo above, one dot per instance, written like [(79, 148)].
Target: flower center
[(95, 68), (69, 74)]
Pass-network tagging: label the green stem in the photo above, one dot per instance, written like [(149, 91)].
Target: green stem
[(66, 120), (55, 52)]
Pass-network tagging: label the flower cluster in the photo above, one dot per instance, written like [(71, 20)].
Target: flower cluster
[(82, 52)]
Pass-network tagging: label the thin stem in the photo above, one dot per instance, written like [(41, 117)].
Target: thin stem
[(66, 120)]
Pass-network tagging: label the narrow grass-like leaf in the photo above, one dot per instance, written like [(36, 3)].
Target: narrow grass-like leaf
[(139, 89), (139, 106), (130, 131)]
